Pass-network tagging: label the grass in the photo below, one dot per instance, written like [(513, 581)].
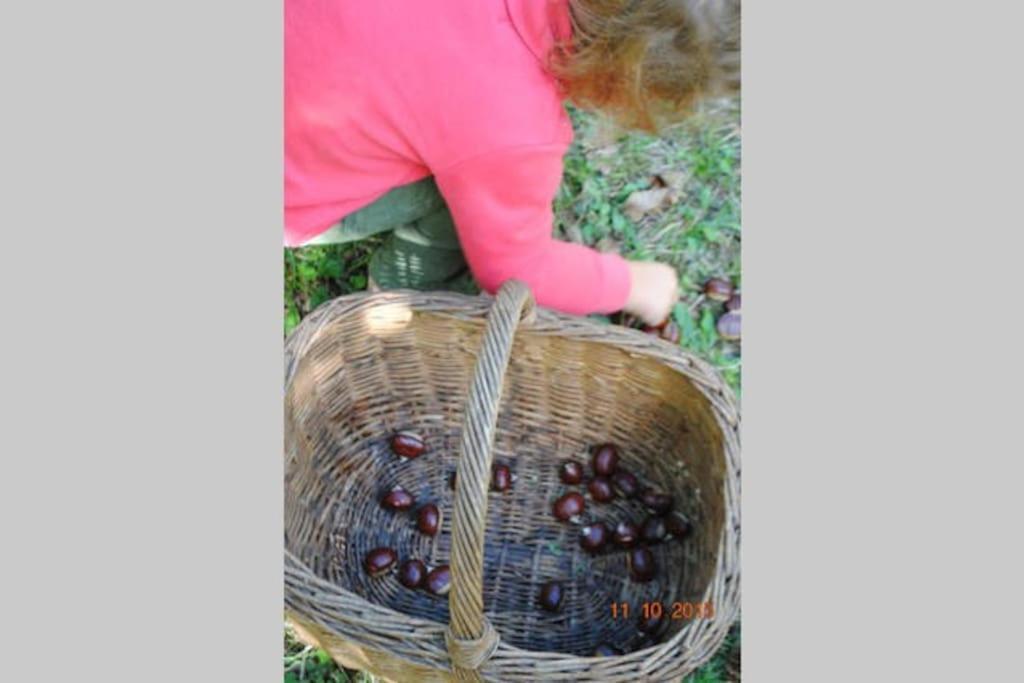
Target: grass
[(697, 230)]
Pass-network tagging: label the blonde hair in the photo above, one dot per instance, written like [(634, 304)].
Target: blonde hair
[(647, 62)]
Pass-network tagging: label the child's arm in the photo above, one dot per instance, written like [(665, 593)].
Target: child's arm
[(501, 203)]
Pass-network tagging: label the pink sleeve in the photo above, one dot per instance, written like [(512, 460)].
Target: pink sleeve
[(501, 203)]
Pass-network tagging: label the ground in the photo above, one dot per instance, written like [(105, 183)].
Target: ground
[(673, 198)]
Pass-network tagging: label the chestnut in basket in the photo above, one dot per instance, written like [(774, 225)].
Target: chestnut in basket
[(501, 478), (379, 560), (551, 594), (606, 650), (718, 289), (601, 490), (658, 503), (571, 472), (605, 460), (569, 507), (412, 573), (677, 526), (439, 580), (428, 519), (654, 530), (626, 534), (407, 445), (625, 483), (641, 565), (397, 499), (593, 537)]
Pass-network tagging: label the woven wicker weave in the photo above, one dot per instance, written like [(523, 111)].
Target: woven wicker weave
[(497, 380)]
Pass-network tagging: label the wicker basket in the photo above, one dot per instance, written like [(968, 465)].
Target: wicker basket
[(362, 367)]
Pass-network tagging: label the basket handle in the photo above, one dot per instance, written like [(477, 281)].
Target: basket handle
[(470, 637)]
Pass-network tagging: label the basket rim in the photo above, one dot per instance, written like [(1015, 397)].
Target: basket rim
[(473, 309)]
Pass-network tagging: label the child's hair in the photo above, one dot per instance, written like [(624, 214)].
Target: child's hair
[(646, 62)]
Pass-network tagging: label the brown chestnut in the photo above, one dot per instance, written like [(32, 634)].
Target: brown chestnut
[(626, 534), (501, 478), (641, 565), (601, 490), (606, 459), (728, 326), (412, 573), (718, 289), (569, 507), (606, 650), (733, 304), (654, 530), (551, 594), (428, 519), (671, 332), (439, 580), (593, 537), (571, 472), (677, 526), (379, 560), (625, 483), (659, 503), (397, 499), (407, 445)]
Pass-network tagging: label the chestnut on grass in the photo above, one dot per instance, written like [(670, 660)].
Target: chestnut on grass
[(605, 460), (641, 565), (733, 304), (569, 507), (379, 560), (397, 499), (439, 580), (412, 573), (626, 534), (601, 490), (571, 472), (407, 445), (728, 326), (593, 537), (551, 594), (659, 503), (625, 483), (428, 519), (677, 526), (718, 289)]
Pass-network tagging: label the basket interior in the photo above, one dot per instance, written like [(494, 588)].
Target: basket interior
[(380, 370)]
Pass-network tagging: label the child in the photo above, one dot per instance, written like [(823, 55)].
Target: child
[(442, 123)]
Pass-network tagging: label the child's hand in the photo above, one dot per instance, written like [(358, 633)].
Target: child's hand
[(654, 291)]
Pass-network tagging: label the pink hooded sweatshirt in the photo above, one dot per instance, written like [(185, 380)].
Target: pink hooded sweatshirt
[(380, 93)]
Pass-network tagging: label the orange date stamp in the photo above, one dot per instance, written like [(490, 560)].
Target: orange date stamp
[(658, 610)]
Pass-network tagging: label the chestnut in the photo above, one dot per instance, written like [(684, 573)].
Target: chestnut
[(626, 534), (625, 483), (606, 459), (671, 332), (379, 560), (571, 472), (501, 478), (601, 490), (551, 594), (428, 519), (641, 565), (569, 507), (650, 624), (593, 537), (733, 304), (718, 289), (439, 580), (407, 445), (654, 530), (606, 650), (728, 326), (397, 499), (412, 573), (677, 526), (659, 503)]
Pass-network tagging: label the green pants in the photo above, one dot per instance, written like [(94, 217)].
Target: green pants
[(422, 250)]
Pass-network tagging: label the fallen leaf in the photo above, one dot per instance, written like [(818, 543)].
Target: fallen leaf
[(644, 201)]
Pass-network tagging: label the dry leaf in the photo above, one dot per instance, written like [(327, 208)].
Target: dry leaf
[(644, 201)]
